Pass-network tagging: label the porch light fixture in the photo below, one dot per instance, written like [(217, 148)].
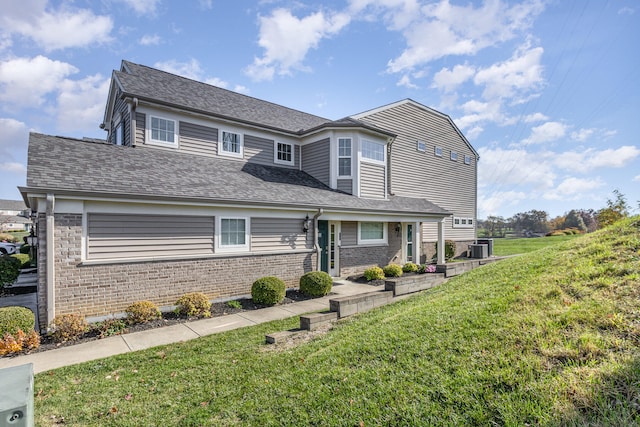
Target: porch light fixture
[(306, 223), (398, 229)]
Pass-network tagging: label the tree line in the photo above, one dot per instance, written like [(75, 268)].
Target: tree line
[(538, 223)]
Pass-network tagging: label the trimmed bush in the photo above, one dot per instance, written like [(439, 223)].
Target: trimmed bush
[(25, 249), (9, 269), (374, 273), (268, 290), (142, 312), (316, 284), (14, 344), (194, 304), (14, 318), (24, 259), (392, 270), (410, 268), (449, 249), (68, 327)]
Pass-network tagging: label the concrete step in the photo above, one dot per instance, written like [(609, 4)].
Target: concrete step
[(350, 305), (274, 337), (312, 321)]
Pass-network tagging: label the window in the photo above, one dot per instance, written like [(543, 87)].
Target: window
[(372, 151), (454, 156), (437, 151), (344, 156), (467, 160), (421, 146), (233, 234), (372, 233), (163, 130), (231, 144), (283, 153), (119, 134), (462, 222)]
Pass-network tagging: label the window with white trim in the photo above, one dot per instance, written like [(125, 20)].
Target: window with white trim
[(283, 153), (462, 222), (467, 160), (372, 151), (230, 144), (454, 156), (421, 146), (163, 131), (437, 151), (370, 233), (232, 233), (119, 134), (344, 156)]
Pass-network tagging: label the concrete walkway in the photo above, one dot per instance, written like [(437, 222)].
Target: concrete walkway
[(126, 343)]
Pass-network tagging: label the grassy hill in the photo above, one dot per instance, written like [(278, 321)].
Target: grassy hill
[(548, 338)]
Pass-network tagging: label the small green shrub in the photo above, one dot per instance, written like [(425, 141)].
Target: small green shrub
[(142, 312), (449, 249), (110, 327), (392, 270), (68, 327), (268, 290), (25, 249), (14, 318), (316, 284), (9, 270), (234, 304), (194, 304), (410, 268), (374, 273), (24, 259)]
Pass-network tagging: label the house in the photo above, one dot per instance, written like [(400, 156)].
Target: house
[(197, 188), (14, 216)]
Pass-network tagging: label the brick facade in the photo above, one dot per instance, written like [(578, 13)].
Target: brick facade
[(355, 260), (428, 251)]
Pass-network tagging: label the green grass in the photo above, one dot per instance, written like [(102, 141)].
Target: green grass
[(547, 339), (502, 247)]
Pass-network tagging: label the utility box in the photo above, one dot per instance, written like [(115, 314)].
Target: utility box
[(488, 242), (478, 251), (16, 396)]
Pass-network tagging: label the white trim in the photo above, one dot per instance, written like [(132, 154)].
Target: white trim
[(338, 156), (437, 151), (462, 222), (421, 146), (467, 159), (284, 162), (368, 159), (453, 156), (225, 153), (149, 131), (376, 242), (219, 248)]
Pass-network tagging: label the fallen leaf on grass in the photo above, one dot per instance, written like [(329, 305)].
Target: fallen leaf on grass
[(204, 403), (128, 396)]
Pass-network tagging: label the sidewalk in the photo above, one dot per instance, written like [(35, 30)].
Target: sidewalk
[(126, 343)]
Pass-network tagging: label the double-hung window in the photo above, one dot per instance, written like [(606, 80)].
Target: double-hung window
[(230, 144), (372, 151), (344, 156), (233, 234), (283, 153), (163, 131), (370, 233)]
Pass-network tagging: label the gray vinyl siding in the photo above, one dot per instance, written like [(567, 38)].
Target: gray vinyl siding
[(372, 181), (198, 139), (141, 121), (316, 160), (346, 185), (261, 151), (349, 230), (451, 185), (112, 236), (120, 109), (278, 234)]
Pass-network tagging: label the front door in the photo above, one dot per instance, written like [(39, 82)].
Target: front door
[(323, 243)]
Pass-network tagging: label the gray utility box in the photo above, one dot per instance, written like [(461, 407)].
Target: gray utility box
[(478, 251), (488, 242), (16, 396)]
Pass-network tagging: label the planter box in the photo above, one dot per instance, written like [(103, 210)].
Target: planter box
[(414, 283), (349, 305)]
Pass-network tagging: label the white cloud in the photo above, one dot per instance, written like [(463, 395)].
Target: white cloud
[(54, 29), (13, 138), (441, 29), (26, 81), (573, 188), (190, 70), (514, 167), (287, 39), (547, 132), (478, 112), (81, 103), (582, 134), (448, 80), (406, 82), (636, 178), (492, 204), (535, 117), (206, 4), (588, 160), (13, 167), (143, 7), (150, 39)]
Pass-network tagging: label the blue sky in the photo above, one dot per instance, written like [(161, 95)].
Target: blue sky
[(547, 91)]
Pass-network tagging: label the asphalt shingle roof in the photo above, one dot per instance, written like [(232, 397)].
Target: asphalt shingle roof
[(67, 164)]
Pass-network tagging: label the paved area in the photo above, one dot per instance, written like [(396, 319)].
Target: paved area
[(120, 344)]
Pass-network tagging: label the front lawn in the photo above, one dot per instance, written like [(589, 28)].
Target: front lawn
[(503, 247), (550, 338)]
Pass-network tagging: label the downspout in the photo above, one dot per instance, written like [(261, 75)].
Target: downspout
[(316, 231), (50, 248), (391, 141)]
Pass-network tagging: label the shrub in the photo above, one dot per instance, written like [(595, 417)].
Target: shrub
[(21, 341), (374, 273), (194, 304), (410, 268), (25, 249), (234, 304), (110, 327), (9, 269), (14, 318), (449, 249), (67, 327), (142, 312), (392, 270), (268, 290), (23, 258), (316, 284), (6, 237)]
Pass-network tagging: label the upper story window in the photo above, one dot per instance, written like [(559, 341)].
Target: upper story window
[(437, 151), (344, 156), (454, 156), (230, 144), (467, 160), (119, 134), (162, 130), (372, 151), (421, 146), (283, 153)]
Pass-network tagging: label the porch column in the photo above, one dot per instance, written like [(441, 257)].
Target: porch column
[(417, 241), (440, 251), (50, 259)]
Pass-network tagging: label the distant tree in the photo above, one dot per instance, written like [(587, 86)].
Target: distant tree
[(533, 221), (616, 210), (494, 226), (589, 218), (574, 220), (557, 223)]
